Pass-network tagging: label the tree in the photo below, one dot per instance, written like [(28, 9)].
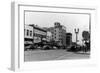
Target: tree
[(86, 35), (86, 39)]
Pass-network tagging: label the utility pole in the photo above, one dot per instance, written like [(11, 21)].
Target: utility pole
[(76, 32)]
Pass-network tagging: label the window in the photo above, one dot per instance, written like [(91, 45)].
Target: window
[(27, 32), (55, 34), (24, 31), (33, 34), (30, 33), (52, 35), (55, 30)]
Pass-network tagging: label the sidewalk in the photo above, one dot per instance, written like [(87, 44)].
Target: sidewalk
[(81, 52)]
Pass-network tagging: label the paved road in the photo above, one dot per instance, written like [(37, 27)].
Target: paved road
[(42, 55)]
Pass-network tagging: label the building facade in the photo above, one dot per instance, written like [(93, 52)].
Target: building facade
[(28, 34), (68, 39), (49, 36), (39, 34), (59, 33), (51, 29)]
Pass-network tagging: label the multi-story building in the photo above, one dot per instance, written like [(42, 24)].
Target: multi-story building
[(28, 34), (39, 34), (59, 33)]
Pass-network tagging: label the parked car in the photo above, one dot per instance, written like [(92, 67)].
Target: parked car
[(32, 47), (74, 48), (27, 48), (54, 47), (47, 47), (39, 47)]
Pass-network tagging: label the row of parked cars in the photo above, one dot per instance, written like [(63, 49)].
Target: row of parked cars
[(48, 46), (78, 48), (45, 47), (42, 46)]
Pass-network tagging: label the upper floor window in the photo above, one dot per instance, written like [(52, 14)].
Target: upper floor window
[(30, 33), (55, 30), (27, 32), (24, 31)]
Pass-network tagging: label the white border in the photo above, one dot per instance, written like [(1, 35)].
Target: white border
[(18, 34)]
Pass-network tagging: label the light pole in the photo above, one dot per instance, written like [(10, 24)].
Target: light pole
[(76, 32)]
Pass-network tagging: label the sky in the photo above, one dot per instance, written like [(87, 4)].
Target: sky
[(70, 21)]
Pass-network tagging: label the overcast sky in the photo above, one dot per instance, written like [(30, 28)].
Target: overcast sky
[(70, 21)]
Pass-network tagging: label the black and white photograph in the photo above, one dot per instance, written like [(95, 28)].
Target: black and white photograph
[(52, 35)]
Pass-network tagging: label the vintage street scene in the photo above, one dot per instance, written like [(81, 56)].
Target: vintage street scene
[(56, 36)]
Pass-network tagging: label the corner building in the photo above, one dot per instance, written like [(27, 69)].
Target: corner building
[(59, 34)]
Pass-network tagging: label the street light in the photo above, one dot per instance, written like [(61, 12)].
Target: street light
[(76, 32)]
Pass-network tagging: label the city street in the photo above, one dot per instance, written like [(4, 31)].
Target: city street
[(44, 55)]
